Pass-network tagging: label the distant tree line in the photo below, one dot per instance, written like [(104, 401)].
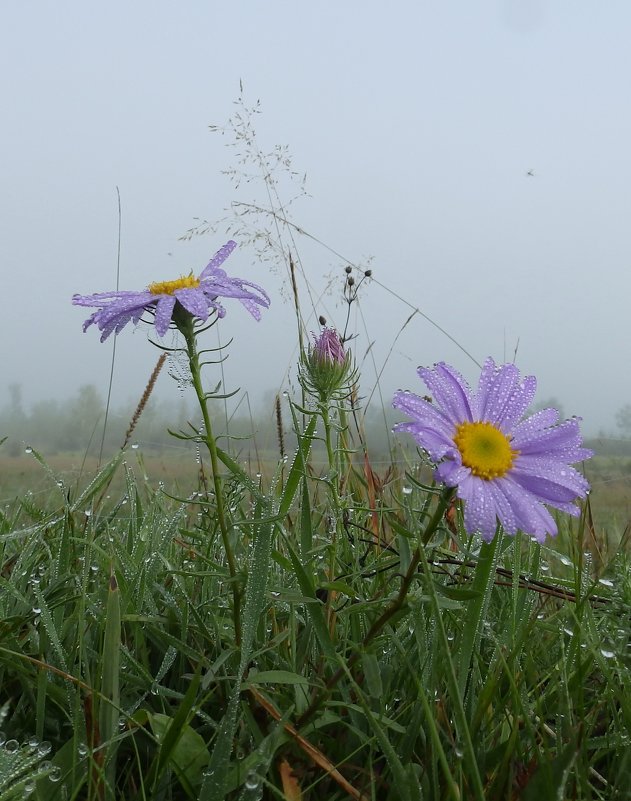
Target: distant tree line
[(76, 424)]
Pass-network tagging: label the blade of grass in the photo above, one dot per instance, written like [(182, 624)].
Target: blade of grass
[(451, 677), (215, 784), (109, 705)]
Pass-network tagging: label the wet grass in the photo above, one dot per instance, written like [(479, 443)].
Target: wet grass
[(502, 675)]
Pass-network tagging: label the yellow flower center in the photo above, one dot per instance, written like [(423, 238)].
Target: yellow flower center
[(484, 449), (169, 287)]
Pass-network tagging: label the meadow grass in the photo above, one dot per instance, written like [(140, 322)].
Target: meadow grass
[(119, 660)]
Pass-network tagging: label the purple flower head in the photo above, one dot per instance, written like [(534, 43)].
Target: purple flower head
[(328, 347), (505, 468), (197, 296), (326, 369)]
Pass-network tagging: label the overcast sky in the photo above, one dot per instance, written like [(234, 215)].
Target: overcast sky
[(417, 125)]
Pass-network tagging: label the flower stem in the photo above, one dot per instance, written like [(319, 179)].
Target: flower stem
[(388, 613), (186, 326), (333, 481)]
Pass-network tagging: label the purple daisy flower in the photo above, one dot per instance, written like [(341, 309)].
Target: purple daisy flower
[(505, 467), (199, 296)]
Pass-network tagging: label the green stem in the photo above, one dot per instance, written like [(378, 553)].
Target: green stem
[(333, 483), (186, 326), (388, 613)]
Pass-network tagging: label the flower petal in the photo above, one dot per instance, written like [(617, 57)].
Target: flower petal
[(480, 511), (164, 313), (450, 391), (220, 256), (195, 302)]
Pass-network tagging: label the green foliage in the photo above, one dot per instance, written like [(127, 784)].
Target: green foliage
[(502, 675)]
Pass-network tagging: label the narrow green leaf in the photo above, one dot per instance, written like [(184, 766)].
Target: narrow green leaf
[(313, 610), (109, 704), (274, 677), (186, 749), (214, 787), (457, 593), (372, 675), (482, 584), (298, 468), (99, 482)]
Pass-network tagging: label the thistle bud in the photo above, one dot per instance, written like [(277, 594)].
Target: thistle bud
[(326, 368)]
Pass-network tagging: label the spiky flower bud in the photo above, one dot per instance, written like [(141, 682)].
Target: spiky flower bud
[(326, 368)]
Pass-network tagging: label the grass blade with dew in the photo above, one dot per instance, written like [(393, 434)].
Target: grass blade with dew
[(483, 580), (109, 702), (215, 781), (460, 719)]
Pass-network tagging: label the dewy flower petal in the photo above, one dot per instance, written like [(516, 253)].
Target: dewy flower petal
[(198, 296), (506, 469)]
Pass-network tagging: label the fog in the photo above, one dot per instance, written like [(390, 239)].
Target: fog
[(474, 155)]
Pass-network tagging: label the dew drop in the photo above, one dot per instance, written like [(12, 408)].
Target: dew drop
[(607, 653), (11, 746), (252, 781), (44, 748)]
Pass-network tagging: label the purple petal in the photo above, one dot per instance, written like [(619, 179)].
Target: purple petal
[(532, 518), (164, 313), (536, 422), (450, 391), (480, 511), (220, 256), (435, 443), (194, 301), (564, 441), (451, 472), (517, 403), (501, 399)]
